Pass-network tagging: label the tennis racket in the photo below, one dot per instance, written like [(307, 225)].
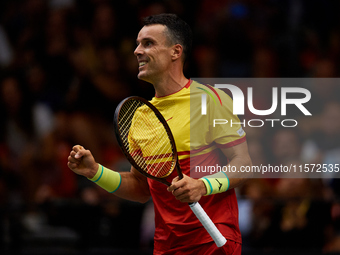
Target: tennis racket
[(147, 142)]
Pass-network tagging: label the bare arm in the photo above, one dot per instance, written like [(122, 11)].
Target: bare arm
[(191, 190), (134, 186), (238, 156)]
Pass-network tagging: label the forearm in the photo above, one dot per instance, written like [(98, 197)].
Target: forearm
[(238, 158), (238, 177), (233, 176), (128, 185), (132, 188)]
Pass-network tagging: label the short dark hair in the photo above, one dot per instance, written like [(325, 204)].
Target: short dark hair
[(179, 32)]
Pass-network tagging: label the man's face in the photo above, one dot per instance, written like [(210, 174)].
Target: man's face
[(153, 53)]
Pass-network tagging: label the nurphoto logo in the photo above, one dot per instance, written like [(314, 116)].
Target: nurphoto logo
[(239, 104), (204, 98)]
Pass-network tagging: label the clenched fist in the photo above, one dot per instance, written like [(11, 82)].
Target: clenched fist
[(82, 162)]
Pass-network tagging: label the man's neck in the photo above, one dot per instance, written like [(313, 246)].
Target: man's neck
[(170, 85)]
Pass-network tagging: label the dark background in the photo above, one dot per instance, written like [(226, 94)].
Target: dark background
[(65, 65)]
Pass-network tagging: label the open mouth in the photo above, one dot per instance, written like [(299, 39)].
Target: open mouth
[(142, 63)]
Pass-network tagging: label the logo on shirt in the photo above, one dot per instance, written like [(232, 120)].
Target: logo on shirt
[(240, 131), (204, 98)]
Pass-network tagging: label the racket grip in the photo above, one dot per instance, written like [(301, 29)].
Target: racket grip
[(207, 223)]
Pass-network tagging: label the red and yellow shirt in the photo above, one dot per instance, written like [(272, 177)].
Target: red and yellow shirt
[(197, 142)]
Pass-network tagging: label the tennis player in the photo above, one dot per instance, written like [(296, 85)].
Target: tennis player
[(163, 44)]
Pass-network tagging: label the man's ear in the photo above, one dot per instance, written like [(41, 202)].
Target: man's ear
[(177, 51)]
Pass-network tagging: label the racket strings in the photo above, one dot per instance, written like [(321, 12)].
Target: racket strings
[(159, 167), (128, 112), (156, 166), (156, 157)]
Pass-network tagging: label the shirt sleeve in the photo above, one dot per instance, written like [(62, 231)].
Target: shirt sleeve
[(226, 128)]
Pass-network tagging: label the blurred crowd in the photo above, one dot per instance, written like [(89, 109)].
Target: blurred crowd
[(66, 64)]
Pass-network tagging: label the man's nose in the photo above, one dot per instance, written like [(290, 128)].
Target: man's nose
[(138, 50)]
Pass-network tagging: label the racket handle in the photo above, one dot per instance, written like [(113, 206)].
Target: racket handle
[(208, 224)]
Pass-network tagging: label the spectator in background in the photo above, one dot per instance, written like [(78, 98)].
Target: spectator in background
[(18, 132), (36, 83), (286, 146), (302, 214), (323, 145), (6, 51), (104, 26)]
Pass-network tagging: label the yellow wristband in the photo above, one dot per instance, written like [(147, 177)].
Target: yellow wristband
[(107, 179), (216, 183)]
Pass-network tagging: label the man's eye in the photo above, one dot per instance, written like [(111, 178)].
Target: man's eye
[(148, 43)]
